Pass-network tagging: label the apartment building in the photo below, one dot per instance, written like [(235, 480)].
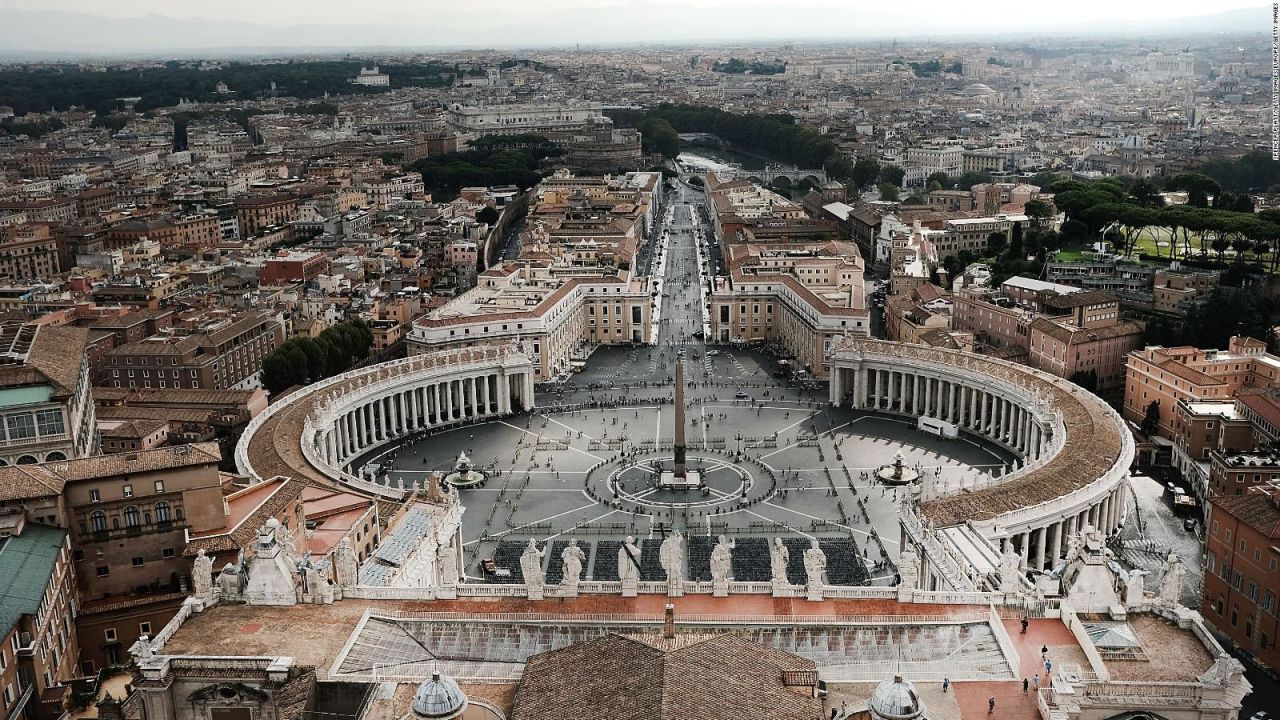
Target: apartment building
[(219, 354), (255, 212), (129, 516), (46, 403), (558, 319), (1242, 569), (1080, 336), (38, 637), (28, 252), (799, 295), (1166, 376)]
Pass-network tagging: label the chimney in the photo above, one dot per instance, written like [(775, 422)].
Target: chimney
[(669, 622)]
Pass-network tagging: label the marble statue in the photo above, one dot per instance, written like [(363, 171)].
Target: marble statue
[(230, 583), (909, 567), (722, 560), (142, 650), (671, 555), (531, 567), (1171, 577), (1010, 575), (573, 558), (779, 558), (1133, 588), (815, 564), (346, 569), (629, 561), (202, 575)]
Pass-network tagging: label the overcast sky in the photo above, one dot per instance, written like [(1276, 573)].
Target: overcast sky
[(483, 23)]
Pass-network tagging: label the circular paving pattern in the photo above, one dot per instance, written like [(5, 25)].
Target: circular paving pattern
[(632, 485)]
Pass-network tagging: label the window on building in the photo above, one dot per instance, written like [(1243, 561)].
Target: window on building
[(138, 561), (103, 571), (109, 634), (21, 426), (95, 496), (163, 513), (98, 521), (49, 422), (131, 516)]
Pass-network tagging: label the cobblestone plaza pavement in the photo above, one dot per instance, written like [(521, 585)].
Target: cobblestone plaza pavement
[(813, 480)]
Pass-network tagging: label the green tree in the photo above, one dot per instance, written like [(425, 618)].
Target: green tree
[(865, 172), (1151, 419), (1039, 211), (1199, 187), (1145, 194), (940, 178), (888, 192), (996, 242), (892, 174)]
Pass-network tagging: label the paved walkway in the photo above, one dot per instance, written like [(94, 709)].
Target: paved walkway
[(1011, 703)]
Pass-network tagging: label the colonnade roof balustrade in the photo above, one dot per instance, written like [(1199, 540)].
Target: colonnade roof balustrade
[(272, 444), (1095, 443)]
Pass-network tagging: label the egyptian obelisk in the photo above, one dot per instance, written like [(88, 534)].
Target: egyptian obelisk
[(679, 449)]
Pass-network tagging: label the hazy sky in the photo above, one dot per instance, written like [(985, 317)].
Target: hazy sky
[(481, 23), (289, 12)]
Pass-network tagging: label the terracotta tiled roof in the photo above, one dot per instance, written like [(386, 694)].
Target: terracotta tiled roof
[(22, 482), (141, 461), (1256, 509), (718, 677), (242, 534)]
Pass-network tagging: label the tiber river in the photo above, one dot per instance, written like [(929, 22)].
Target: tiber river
[(705, 158)]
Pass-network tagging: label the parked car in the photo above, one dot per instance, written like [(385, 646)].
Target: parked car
[(741, 395), (1173, 488), (1189, 524)]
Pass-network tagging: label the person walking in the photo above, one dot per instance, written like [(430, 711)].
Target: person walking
[(1025, 623), (1048, 667), (1044, 650), (1035, 680), (991, 705), (946, 683), (1026, 685)]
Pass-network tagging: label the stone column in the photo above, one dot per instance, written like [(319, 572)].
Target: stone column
[(1041, 538), (448, 400), (1057, 529), (1025, 541), (917, 402), (528, 392)]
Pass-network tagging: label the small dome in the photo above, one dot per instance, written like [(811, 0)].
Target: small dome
[(978, 89), (895, 699), (440, 697)]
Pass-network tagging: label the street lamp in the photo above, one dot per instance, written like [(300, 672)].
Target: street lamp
[(738, 437)]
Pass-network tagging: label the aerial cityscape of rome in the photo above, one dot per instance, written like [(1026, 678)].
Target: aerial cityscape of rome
[(639, 360)]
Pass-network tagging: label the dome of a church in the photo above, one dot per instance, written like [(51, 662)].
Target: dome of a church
[(895, 699), (439, 698), (977, 89)]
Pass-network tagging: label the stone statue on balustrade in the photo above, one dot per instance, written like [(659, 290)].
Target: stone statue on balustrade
[(721, 566), (142, 649), (573, 559), (447, 566), (230, 584), (908, 571), (531, 566), (1133, 588), (671, 555), (629, 567), (815, 564), (1171, 577), (1010, 574), (779, 559), (346, 569), (202, 575)]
